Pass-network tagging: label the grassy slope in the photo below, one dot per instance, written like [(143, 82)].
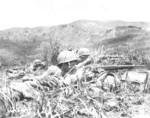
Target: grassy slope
[(21, 45)]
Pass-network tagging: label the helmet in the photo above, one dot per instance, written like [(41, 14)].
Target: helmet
[(67, 56), (83, 51), (37, 62)]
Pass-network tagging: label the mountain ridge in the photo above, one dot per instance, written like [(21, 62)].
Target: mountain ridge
[(30, 42)]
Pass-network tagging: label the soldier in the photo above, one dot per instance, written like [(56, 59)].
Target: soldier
[(52, 77), (27, 88), (38, 64), (83, 53), (66, 61), (36, 67), (85, 58)]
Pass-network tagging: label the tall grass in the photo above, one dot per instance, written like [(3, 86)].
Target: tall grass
[(123, 55)]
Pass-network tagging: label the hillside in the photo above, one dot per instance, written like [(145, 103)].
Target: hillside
[(22, 45)]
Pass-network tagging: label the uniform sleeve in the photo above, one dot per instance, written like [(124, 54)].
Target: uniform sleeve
[(72, 78)]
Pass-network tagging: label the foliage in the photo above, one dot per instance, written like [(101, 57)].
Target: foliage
[(123, 55)]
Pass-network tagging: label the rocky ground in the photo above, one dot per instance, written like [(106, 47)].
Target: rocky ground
[(87, 100)]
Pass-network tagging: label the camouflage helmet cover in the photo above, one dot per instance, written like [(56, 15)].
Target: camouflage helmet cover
[(83, 51), (67, 56)]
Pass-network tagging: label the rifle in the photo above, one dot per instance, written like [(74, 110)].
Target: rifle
[(118, 67), (111, 56)]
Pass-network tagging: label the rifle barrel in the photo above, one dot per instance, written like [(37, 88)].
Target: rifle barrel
[(115, 67)]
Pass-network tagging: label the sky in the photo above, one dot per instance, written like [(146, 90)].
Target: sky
[(34, 13)]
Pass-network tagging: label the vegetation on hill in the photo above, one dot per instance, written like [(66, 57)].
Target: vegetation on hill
[(22, 45)]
